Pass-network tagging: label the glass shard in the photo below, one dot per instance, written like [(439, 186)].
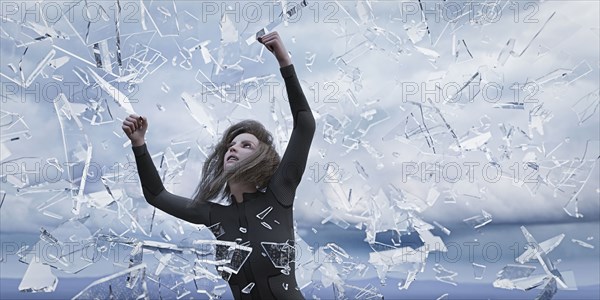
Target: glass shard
[(38, 278)]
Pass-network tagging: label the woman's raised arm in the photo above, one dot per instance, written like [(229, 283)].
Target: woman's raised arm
[(152, 186), (293, 163)]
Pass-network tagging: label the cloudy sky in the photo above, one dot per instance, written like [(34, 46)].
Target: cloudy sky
[(475, 110)]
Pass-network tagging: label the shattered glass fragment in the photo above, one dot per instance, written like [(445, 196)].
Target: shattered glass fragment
[(309, 60), (587, 106), (198, 112), (98, 113), (264, 213), (290, 13), (479, 220), (38, 278), (512, 272), (119, 97), (217, 230), (582, 243), (71, 238), (12, 128), (549, 290), (280, 254), (2, 197), (248, 288), (78, 149), (116, 286), (163, 16), (444, 229), (444, 275), (478, 270), (231, 256), (443, 296)]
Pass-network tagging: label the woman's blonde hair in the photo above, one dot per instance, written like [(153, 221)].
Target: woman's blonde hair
[(256, 169)]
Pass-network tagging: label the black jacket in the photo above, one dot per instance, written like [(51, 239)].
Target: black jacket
[(265, 233)]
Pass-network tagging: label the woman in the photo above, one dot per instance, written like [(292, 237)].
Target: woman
[(246, 169)]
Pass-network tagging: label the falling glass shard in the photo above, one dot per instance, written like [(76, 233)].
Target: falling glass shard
[(13, 127), (479, 220), (173, 165), (582, 243), (217, 230), (4, 152), (461, 50), (290, 13), (2, 197), (579, 71), (163, 261), (558, 73), (512, 272), (430, 53), (31, 62), (572, 208), (77, 147), (587, 106), (100, 199), (280, 254), (198, 112), (337, 250), (546, 246), (444, 275), (508, 50), (473, 143), (542, 256), (98, 112), (230, 256), (266, 225), (370, 118), (444, 229), (361, 170), (404, 284), (443, 297), (71, 239), (38, 278), (331, 128), (119, 97), (478, 271), (309, 60), (117, 286), (549, 290), (523, 283), (355, 292), (139, 59), (163, 16), (415, 31), (247, 289), (229, 33), (261, 215), (510, 105)]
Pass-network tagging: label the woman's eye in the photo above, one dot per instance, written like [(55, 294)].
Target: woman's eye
[(248, 145)]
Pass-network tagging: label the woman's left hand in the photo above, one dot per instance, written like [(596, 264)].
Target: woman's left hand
[(273, 43)]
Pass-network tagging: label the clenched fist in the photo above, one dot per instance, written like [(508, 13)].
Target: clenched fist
[(135, 128), (273, 43)]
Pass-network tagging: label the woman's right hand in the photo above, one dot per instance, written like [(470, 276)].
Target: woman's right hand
[(135, 128)]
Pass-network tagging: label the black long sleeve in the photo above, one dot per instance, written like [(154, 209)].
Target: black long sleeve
[(293, 163), (157, 196)]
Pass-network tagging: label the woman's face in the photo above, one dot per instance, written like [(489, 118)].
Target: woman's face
[(242, 146)]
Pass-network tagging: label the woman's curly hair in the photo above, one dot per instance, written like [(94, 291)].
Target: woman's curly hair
[(257, 169)]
